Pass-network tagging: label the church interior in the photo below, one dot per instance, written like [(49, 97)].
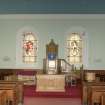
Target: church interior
[(51, 52)]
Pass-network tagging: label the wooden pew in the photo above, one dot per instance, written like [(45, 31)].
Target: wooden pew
[(93, 87), (3, 97), (12, 92)]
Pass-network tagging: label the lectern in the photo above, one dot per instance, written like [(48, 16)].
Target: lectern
[(50, 65)]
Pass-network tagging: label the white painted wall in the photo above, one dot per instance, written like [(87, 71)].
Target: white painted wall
[(48, 27)]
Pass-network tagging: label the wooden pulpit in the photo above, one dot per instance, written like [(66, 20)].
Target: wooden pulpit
[(50, 63)]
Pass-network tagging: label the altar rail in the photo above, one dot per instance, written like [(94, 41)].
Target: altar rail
[(27, 76)]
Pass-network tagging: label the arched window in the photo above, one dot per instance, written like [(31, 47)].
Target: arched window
[(74, 49), (29, 48)]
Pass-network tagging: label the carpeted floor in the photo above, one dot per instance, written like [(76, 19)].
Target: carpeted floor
[(70, 92), (72, 96), (51, 101)]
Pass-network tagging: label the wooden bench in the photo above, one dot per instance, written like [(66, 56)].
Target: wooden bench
[(12, 92), (3, 97)]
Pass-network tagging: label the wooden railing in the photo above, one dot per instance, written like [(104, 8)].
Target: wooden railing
[(64, 66)]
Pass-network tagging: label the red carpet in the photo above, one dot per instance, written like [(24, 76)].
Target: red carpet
[(71, 92), (51, 101)]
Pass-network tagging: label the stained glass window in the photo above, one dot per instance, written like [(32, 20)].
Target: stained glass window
[(74, 48), (29, 47)]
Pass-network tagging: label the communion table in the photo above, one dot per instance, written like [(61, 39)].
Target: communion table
[(50, 83)]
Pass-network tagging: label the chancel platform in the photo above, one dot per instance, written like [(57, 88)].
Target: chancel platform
[(50, 83)]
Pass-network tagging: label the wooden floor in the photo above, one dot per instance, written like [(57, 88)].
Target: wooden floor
[(51, 101)]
